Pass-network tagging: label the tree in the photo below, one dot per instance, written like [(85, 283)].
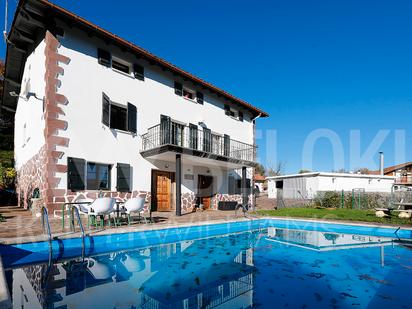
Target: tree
[(303, 171), (362, 170), (260, 170), (276, 170)]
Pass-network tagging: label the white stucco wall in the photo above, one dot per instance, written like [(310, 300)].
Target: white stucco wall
[(29, 122), (85, 79), (311, 184)]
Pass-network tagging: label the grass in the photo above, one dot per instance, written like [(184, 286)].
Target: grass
[(334, 214)]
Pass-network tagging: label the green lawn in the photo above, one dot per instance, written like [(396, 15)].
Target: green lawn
[(334, 214)]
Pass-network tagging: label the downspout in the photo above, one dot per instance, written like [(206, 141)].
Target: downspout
[(254, 159)]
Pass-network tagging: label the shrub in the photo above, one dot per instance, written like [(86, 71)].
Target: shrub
[(328, 199), (7, 177), (368, 200)]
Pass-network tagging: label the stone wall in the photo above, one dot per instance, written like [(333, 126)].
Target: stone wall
[(228, 198), (69, 197), (31, 176)]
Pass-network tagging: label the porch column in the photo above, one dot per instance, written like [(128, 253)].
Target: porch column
[(244, 189), (178, 185)]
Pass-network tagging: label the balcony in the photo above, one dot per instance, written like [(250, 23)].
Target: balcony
[(404, 180), (170, 136)]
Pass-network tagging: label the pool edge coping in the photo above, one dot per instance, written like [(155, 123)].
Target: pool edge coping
[(153, 227)]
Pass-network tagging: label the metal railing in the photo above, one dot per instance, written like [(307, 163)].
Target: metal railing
[(46, 225), (173, 133), (74, 211)]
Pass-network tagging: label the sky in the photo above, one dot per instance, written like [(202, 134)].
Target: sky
[(335, 76)]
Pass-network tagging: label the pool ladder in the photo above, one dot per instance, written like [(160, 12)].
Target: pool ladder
[(46, 225), (75, 212)]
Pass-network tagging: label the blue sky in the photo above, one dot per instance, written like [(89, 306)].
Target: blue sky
[(320, 64)]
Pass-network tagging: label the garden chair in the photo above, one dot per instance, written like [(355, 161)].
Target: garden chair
[(134, 205), (100, 208)]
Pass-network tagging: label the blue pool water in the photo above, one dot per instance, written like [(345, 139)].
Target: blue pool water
[(264, 263)]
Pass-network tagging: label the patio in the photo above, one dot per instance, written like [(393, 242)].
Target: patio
[(22, 226)]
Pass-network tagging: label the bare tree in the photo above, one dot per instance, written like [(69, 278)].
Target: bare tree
[(275, 170)]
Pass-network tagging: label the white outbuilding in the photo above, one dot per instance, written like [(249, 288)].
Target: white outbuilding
[(306, 185)]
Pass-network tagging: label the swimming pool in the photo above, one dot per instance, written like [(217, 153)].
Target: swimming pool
[(267, 263)]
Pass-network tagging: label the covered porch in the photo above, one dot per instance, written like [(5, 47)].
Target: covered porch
[(183, 182)]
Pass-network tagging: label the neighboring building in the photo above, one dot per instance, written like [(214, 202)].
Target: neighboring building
[(93, 113), (307, 185), (260, 182), (402, 172)]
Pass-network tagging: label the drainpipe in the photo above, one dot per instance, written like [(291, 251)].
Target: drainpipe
[(381, 168), (252, 181)]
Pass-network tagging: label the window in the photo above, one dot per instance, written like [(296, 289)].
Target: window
[(105, 58), (188, 94), (120, 66), (118, 117), (98, 176), (279, 184), (230, 112), (235, 185)]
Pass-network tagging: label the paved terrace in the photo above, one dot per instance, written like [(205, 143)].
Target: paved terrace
[(22, 226)]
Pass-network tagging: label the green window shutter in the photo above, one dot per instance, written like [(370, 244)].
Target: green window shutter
[(178, 89), (75, 174), (199, 97), (240, 116), (232, 185), (207, 140), (238, 188), (131, 118), (165, 129), (106, 110), (226, 145), (104, 57), (123, 177), (138, 71), (193, 135)]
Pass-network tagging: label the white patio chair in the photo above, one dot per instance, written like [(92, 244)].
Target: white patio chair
[(134, 205), (100, 270), (101, 207), (83, 208)]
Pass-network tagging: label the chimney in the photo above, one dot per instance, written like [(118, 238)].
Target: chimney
[(381, 168)]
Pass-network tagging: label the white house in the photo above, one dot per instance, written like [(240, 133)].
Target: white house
[(306, 185), (96, 114)]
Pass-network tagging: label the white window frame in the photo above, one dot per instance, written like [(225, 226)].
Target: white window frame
[(123, 62), (188, 90)]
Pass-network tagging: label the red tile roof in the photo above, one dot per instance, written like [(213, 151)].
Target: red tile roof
[(152, 57), (391, 169)]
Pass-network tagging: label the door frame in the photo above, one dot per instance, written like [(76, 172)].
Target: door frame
[(153, 190), (198, 197)]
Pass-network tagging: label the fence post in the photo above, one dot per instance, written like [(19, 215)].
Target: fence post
[(342, 204), (353, 198)]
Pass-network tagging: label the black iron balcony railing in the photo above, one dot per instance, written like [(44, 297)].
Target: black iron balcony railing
[(190, 137)]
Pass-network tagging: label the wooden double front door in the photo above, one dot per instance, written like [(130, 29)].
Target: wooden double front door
[(162, 190)]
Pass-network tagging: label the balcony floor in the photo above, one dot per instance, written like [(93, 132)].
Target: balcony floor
[(195, 158)]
